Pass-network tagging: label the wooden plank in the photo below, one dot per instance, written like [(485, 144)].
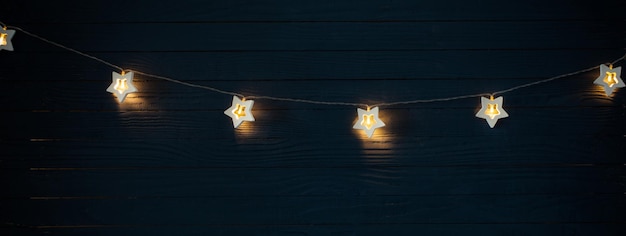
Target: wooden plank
[(324, 10), (213, 124), (320, 210), (552, 228), (356, 180), (321, 150), (326, 36), (85, 90), (432, 80), (321, 66), (69, 95), (157, 95)]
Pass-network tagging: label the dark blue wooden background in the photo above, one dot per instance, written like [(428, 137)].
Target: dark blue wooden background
[(168, 162)]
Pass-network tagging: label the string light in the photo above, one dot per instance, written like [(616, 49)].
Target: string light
[(5, 38), (368, 121), (240, 111), (491, 110), (122, 85), (609, 78)]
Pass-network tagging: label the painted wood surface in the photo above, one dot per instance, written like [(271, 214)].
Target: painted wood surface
[(168, 162)]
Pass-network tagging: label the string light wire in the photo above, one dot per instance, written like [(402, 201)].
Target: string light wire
[(189, 84), (67, 48), (213, 89)]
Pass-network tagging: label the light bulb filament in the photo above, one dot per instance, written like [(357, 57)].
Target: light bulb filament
[(610, 78), (3, 39), (239, 111), (368, 121), (121, 85), (492, 110)]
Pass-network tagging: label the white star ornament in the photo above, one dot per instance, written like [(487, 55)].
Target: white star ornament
[(368, 121), (240, 111), (122, 85), (609, 78), (5, 39), (491, 110)]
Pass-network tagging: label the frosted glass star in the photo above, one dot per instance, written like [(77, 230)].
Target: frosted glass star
[(609, 79), (5, 39), (240, 111), (491, 110), (368, 121), (122, 85)]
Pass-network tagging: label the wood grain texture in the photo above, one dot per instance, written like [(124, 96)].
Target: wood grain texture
[(168, 162), (279, 151), (213, 124), (325, 210), (362, 179), (75, 11), (339, 36), (528, 228)]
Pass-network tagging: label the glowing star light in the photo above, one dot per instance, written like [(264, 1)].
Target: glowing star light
[(240, 111), (122, 85), (368, 120), (609, 78), (5, 39), (491, 110)]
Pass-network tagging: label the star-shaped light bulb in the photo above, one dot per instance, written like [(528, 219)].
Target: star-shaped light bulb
[(240, 111), (491, 110), (122, 85), (368, 121), (5, 39), (609, 78)]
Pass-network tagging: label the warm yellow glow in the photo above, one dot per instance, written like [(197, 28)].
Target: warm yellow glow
[(368, 121), (492, 109), (121, 85), (3, 39), (610, 78), (239, 111)]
